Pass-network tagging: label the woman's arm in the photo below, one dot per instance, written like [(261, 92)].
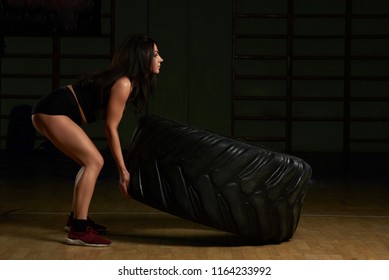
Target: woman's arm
[(117, 102)]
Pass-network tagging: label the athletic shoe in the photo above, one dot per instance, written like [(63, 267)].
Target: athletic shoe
[(87, 238), (98, 228)]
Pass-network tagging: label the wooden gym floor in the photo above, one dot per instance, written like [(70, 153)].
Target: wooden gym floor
[(345, 216)]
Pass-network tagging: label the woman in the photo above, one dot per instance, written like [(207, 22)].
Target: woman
[(102, 95)]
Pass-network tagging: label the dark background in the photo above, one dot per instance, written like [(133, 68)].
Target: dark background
[(302, 77)]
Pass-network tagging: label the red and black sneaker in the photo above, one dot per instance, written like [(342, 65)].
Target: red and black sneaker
[(87, 238), (98, 228)]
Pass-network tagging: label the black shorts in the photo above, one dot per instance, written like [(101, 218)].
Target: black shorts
[(59, 102)]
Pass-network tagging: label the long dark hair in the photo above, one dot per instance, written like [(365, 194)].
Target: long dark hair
[(133, 59)]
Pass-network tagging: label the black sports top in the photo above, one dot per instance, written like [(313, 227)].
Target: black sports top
[(93, 105)]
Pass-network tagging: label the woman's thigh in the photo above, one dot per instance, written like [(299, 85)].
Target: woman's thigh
[(69, 138)]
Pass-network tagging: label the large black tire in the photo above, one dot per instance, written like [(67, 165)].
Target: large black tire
[(217, 181)]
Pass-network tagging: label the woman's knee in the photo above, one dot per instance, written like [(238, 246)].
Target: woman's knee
[(96, 162), (100, 161)]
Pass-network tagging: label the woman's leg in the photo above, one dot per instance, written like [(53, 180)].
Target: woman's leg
[(71, 139)]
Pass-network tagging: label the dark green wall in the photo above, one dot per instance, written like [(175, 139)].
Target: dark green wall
[(327, 88)]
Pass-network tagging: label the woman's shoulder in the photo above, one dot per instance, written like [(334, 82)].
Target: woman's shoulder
[(123, 83), (121, 88)]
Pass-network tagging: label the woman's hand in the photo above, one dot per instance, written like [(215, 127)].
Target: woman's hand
[(124, 182)]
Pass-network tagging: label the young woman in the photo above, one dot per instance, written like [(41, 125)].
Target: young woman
[(102, 95)]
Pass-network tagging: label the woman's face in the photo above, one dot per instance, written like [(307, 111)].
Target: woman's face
[(157, 59)]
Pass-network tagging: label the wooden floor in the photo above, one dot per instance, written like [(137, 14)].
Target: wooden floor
[(345, 216)]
